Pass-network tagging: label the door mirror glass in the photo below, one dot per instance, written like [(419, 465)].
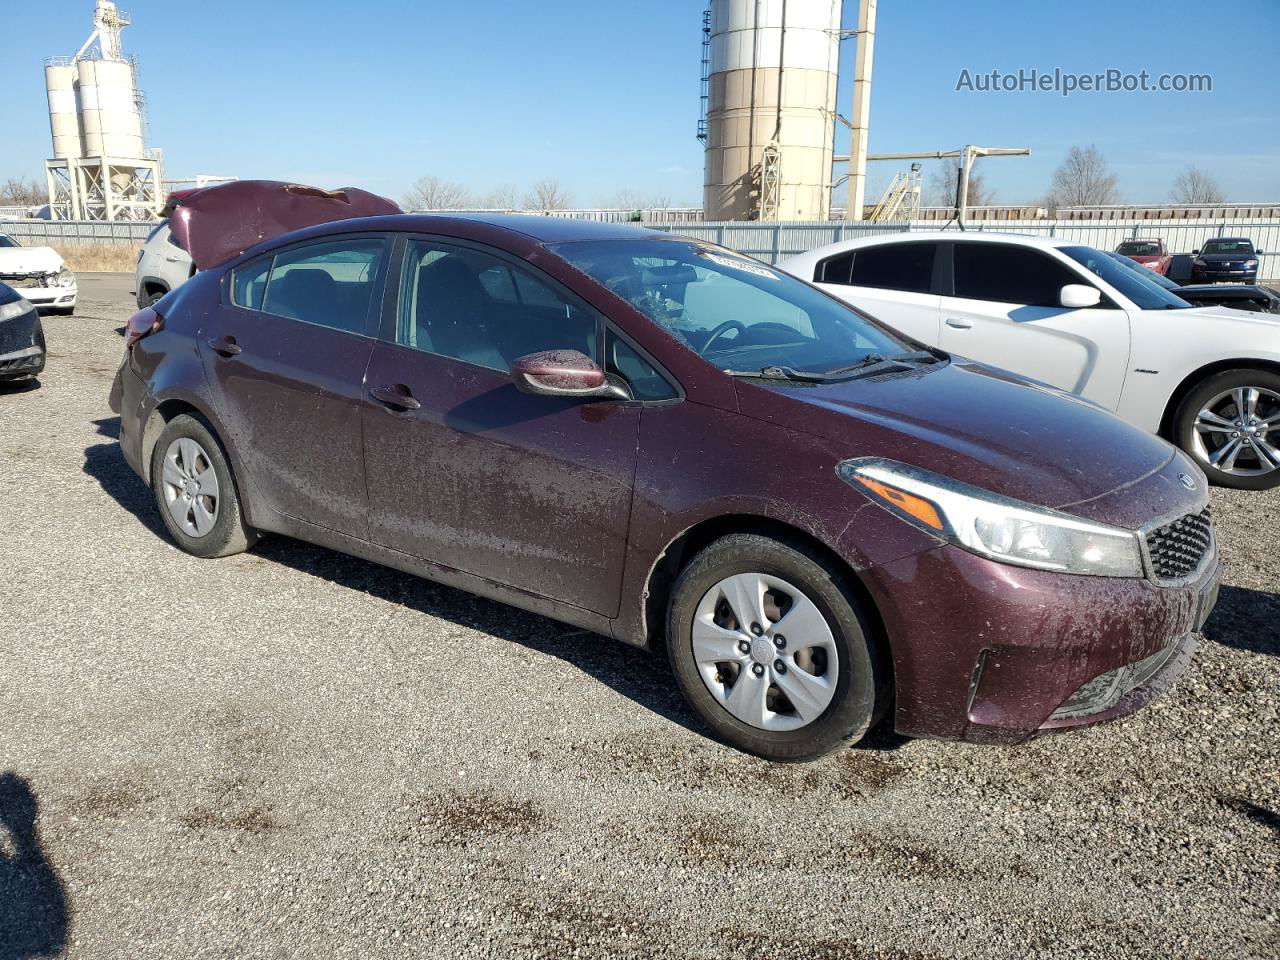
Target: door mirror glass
[(1078, 296), (564, 373), (1195, 253)]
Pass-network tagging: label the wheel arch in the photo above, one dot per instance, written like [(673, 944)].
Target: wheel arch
[(677, 553), (1198, 376)]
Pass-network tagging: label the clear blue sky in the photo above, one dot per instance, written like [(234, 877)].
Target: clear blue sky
[(604, 95)]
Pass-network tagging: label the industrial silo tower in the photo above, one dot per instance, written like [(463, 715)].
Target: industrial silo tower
[(101, 168), (771, 106)]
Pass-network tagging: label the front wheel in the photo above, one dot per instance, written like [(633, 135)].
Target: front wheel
[(195, 491), (1230, 424), (771, 650)]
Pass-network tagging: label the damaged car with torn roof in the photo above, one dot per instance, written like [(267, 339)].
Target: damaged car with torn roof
[(822, 523), (22, 347)]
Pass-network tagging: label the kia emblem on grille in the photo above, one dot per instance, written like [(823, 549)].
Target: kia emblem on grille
[(1187, 481)]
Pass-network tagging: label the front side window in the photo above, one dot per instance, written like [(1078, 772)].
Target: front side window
[(625, 361), (468, 305), (737, 313), (1145, 293), (330, 284), (1010, 274), (895, 266)]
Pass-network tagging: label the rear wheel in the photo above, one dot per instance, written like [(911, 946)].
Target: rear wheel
[(195, 491), (149, 296), (1230, 424), (771, 649)]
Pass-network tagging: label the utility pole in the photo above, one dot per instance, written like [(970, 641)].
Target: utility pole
[(861, 110)]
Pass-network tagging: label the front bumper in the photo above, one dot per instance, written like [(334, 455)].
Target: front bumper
[(59, 297), (992, 653), (22, 348), (1218, 274)]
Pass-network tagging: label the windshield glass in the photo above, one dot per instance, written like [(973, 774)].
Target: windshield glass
[(1140, 248), (1238, 247), (8, 241), (1159, 279), (1145, 294), (737, 313)]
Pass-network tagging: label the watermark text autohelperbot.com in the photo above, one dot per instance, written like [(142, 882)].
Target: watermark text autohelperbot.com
[(1065, 83)]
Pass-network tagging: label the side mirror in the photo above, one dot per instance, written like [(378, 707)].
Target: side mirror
[(1078, 296), (1195, 253), (565, 373), (1259, 253)]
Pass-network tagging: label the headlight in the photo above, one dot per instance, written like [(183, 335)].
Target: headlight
[(1251, 263), (994, 526), (65, 278), (13, 309), (1197, 262)]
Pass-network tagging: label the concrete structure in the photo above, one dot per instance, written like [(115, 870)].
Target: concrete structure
[(771, 109), (100, 168)]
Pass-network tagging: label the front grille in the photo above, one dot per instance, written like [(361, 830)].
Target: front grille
[(27, 279), (1178, 549)]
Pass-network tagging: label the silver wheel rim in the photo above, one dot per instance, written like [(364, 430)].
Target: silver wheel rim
[(1238, 432), (765, 651), (190, 487)]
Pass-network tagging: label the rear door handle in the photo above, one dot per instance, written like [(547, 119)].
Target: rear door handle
[(395, 396), (224, 346), (959, 323)]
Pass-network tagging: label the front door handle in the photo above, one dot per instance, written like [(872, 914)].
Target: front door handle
[(395, 396), (959, 323), (224, 346)]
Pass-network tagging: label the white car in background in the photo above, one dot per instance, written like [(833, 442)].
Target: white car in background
[(162, 266), (39, 274), (1205, 378)]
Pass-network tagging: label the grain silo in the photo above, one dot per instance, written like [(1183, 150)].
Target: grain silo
[(771, 109), (109, 117), (64, 114)]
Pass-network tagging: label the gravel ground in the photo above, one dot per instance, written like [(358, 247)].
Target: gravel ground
[(294, 753)]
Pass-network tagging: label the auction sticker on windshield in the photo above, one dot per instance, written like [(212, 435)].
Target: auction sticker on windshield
[(745, 265)]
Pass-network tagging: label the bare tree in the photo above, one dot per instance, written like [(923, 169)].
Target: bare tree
[(1196, 186), (628, 199), (547, 194), (17, 191), (1083, 180), (434, 193), (944, 186), (503, 197)]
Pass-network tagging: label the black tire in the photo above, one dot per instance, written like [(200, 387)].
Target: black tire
[(1184, 421), (148, 297), (229, 533), (860, 695)]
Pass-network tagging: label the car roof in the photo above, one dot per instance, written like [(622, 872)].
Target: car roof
[(1228, 240), (548, 229), (952, 236)]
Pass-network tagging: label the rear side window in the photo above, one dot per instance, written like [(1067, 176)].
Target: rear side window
[(1009, 274), (249, 283), (895, 266), (329, 284)]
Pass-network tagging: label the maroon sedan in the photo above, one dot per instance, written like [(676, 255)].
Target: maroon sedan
[(659, 440)]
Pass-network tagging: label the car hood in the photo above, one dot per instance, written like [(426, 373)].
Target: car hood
[(1147, 257), (1220, 314), (973, 423), (216, 223), (1226, 257), (29, 260)]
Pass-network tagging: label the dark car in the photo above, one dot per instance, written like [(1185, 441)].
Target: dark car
[(1152, 254), (22, 348), (665, 442), (1237, 296), (1225, 258)]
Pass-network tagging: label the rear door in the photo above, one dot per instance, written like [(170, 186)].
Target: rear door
[(1005, 310), (285, 357), (465, 470), (893, 282)]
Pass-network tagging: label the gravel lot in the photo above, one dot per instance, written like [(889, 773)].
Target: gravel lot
[(294, 753)]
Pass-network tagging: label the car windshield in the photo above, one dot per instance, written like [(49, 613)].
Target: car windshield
[(1145, 294), (737, 313), (1159, 279), (8, 241), (1236, 247), (1140, 248)]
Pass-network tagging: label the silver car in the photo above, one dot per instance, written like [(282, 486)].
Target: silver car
[(162, 266)]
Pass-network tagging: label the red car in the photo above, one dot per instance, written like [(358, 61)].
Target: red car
[(1150, 253), (818, 520)]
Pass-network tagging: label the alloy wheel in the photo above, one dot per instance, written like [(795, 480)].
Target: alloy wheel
[(765, 651), (1238, 432), (190, 487)]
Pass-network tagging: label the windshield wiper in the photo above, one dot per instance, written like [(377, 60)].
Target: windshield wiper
[(868, 363), (779, 373)]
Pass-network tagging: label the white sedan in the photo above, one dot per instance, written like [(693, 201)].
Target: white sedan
[(1205, 378), (39, 274)]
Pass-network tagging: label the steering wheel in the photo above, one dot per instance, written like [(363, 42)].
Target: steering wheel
[(720, 331)]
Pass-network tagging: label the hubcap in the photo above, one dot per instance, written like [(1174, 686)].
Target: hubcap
[(1238, 432), (781, 678), (190, 487)]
